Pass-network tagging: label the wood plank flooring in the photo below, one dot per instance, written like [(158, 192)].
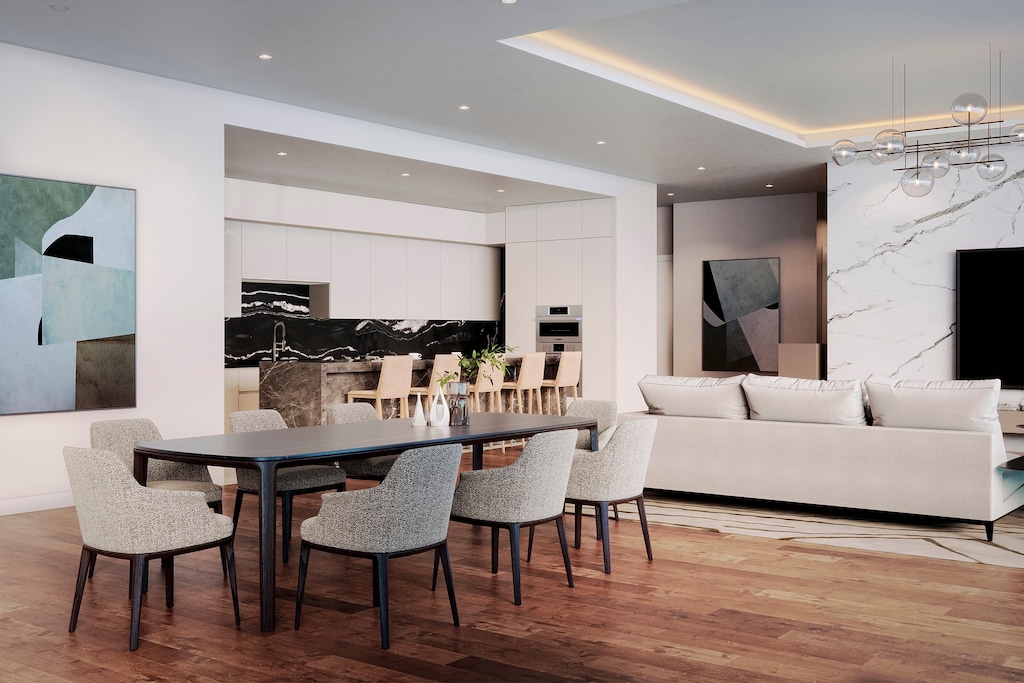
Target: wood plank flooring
[(711, 607)]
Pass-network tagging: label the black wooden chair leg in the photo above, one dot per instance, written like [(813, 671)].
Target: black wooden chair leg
[(238, 509), (228, 552), (494, 550), (381, 580), (529, 546), (513, 541), (138, 566), (602, 520), (579, 524), (560, 523), (442, 552), (376, 584), (92, 564), (85, 565), (643, 525), (616, 509), (433, 582), (300, 592), (167, 565), (286, 525)]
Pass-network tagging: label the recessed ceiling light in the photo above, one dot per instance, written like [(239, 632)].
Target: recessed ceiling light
[(671, 194), (282, 154), (508, 2), (701, 168), (406, 175), (769, 186), (59, 8), (601, 142), (463, 107), (501, 190), (266, 56)]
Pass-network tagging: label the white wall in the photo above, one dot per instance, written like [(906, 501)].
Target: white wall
[(72, 120), (665, 293), (64, 119), (758, 227), (891, 263)]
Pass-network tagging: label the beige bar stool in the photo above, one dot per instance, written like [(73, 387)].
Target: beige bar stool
[(395, 382), (488, 383), (568, 376), (443, 364), (529, 379)]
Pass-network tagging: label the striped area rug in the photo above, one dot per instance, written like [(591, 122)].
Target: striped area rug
[(923, 537)]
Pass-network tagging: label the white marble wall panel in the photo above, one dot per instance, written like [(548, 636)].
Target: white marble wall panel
[(892, 264)]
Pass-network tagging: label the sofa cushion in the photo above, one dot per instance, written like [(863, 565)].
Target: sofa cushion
[(968, 405), (695, 396), (788, 399)]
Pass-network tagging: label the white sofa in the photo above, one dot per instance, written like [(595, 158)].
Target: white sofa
[(805, 441)]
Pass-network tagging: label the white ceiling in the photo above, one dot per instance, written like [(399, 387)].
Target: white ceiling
[(755, 91)]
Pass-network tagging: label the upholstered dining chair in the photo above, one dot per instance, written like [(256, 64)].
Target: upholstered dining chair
[(119, 518), (290, 480), (567, 377), (375, 468), (406, 514), (120, 437), (444, 363), (605, 412), (489, 382), (395, 382), (529, 378), (528, 492), (615, 474)]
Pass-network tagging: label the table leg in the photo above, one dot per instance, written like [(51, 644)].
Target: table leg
[(478, 456), (593, 439), (141, 467), (268, 537)]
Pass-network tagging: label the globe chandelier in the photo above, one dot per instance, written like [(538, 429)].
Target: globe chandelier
[(932, 160)]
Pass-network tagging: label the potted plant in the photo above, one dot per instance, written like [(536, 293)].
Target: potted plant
[(493, 354)]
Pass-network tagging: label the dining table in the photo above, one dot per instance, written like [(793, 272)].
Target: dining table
[(268, 451)]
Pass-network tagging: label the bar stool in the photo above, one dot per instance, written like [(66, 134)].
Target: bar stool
[(568, 375), (529, 379), (488, 383), (443, 364), (395, 382)]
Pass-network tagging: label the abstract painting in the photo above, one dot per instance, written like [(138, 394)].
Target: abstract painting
[(741, 315), (67, 296)]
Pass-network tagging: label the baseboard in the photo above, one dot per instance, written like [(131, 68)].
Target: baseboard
[(47, 501)]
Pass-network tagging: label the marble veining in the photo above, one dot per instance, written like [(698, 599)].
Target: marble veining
[(892, 265)]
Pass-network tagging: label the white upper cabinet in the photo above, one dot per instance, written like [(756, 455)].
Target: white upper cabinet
[(560, 272), (559, 221), (388, 277), (350, 275), (263, 252), (308, 255), (598, 217), (486, 279), (521, 224), (423, 297), (456, 294), (521, 295)]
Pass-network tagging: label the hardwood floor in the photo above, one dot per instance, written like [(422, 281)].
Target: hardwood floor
[(711, 607)]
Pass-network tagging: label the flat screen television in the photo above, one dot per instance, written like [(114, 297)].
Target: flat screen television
[(990, 315)]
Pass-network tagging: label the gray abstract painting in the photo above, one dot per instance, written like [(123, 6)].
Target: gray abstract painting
[(740, 327)]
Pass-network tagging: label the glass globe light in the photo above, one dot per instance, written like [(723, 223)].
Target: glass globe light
[(964, 157), (992, 167), (844, 152), (889, 145), (875, 161), (937, 163), (1017, 134), (969, 108), (917, 182)]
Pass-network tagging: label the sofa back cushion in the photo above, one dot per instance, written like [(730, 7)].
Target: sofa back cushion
[(968, 405), (695, 396), (788, 399)]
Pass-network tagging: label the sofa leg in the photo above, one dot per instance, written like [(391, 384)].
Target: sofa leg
[(989, 530)]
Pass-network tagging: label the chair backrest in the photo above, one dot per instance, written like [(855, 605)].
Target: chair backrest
[(117, 515), (605, 412), (531, 371), (542, 473), (623, 467), (489, 378), (347, 413), (120, 436), (395, 377), (569, 365), (411, 506), (256, 421), (443, 364)]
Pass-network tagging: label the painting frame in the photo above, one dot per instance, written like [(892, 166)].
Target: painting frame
[(67, 295), (741, 315)]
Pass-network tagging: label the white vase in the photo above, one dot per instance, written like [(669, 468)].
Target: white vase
[(439, 414), (418, 418)]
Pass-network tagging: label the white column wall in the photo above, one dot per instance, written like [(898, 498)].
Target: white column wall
[(65, 119)]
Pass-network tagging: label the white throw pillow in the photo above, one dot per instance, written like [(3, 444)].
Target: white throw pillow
[(788, 399), (968, 405), (695, 396)]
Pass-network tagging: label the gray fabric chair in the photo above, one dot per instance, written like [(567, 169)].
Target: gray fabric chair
[(120, 436), (120, 518), (615, 474), (406, 514), (528, 492), (605, 412), (363, 468), (290, 480)]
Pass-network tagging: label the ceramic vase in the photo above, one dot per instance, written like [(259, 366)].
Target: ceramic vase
[(439, 413), (418, 418)]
